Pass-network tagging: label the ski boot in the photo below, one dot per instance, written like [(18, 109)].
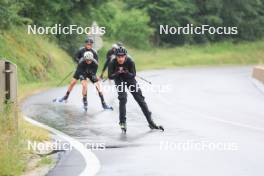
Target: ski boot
[(107, 107), (123, 127), (85, 105), (153, 126), (61, 100)]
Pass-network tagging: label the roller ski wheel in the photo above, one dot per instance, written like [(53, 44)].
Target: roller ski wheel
[(123, 127)]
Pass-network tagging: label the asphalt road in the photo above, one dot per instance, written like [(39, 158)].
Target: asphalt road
[(213, 119)]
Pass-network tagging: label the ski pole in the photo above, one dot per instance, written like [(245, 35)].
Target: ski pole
[(144, 79), (64, 78)]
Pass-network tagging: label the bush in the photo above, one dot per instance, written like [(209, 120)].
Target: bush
[(9, 10), (129, 26), (133, 28)]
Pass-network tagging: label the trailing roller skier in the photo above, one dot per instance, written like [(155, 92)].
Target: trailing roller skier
[(87, 67), (122, 70), (110, 55)]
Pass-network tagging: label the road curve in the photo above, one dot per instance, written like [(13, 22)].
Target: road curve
[(217, 106)]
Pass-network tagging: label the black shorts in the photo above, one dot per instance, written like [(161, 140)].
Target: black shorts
[(79, 75)]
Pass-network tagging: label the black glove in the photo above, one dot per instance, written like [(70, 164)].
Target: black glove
[(93, 78), (89, 73), (120, 70), (127, 74)]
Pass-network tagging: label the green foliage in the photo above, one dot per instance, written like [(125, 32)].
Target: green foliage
[(136, 22), (167, 12), (9, 10), (133, 27), (247, 15), (124, 25), (37, 58), (49, 13)]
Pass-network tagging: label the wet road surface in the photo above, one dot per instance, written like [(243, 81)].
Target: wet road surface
[(200, 107)]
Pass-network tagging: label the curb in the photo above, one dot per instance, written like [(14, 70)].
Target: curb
[(90, 159)]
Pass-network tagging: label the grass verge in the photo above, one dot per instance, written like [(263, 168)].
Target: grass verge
[(216, 54), (41, 65), (15, 132)]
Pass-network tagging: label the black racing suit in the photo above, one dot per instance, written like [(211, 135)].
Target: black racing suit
[(85, 70), (110, 55), (79, 54), (127, 79)]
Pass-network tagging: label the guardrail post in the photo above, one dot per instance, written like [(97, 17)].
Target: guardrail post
[(8, 88), (8, 83)]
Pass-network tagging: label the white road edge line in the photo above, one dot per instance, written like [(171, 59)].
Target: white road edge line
[(258, 84), (92, 162)]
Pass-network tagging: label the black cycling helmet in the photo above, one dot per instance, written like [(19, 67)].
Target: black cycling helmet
[(89, 41), (121, 51)]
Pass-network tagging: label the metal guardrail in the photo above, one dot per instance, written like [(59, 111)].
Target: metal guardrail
[(8, 82)]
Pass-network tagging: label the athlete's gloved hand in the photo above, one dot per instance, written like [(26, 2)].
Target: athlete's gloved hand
[(127, 74), (94, 78), (89, 73), (120, 70)]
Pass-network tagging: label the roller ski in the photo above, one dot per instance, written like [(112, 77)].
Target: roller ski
[(123, 127), (107, 107), (153, 126), (60, 100), (104, 105)]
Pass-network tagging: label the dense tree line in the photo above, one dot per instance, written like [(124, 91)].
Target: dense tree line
[(136, 22), (247, 15)]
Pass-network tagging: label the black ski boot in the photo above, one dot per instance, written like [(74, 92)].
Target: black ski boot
[(151, 123), (107, 107), (63, 99), (85, 104), (123, 127), (60, 100), (153, 126), (104, 105)]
